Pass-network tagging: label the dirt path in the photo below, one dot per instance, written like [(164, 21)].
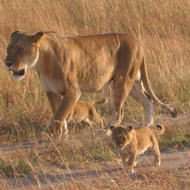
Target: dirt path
[(170, 162), (173, 174)]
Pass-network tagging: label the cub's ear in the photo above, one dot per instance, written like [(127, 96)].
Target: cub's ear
[(36, 37), (159, 126), (130, 128)]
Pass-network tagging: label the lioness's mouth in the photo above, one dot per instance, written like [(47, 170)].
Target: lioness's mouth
[(19, 72)]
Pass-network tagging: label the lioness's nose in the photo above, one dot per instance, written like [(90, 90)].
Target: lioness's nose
[(8, 63)]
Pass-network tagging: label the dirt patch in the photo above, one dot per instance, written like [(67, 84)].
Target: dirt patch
[(173, 174)]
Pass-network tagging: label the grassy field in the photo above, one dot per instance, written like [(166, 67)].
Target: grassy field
[(163, 28), (24, 110)]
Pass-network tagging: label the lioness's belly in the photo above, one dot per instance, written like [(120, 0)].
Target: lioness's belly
[(95, 81), (94, 74)]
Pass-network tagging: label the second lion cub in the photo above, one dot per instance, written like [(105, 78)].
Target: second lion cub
[(132, 142), (85, 111)]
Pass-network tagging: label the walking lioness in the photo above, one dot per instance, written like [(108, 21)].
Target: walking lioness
[(132, 142), (70, 66)]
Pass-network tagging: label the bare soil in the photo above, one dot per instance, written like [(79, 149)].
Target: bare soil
[(174, 172)]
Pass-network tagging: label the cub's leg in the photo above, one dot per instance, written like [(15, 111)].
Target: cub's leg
[(132, 162), (88, 122), (156, 151), (124, 157), (96, 117)]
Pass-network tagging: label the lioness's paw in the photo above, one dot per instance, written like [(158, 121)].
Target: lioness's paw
[(58, 129)]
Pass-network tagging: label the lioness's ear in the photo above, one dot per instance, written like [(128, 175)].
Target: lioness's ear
[(14, 33), (37, 36)]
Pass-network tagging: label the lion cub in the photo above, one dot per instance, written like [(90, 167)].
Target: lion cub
[(132, 142), (85, 111)]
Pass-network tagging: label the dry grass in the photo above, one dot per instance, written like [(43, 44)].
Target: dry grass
[(24, 110), (163, 27)]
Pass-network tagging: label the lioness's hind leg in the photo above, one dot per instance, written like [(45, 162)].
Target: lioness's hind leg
[(139, 95), (121, 89), (129, 62)]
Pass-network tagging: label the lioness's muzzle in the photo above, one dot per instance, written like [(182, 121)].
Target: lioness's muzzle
[(15, 72), (19, 72)]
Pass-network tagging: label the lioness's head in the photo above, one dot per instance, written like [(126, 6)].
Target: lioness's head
[(122, 136), (22, 53)]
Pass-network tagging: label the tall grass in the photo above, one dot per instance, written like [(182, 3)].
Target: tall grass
[(163, 26)]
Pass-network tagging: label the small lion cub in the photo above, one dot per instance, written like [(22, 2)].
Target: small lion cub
[(132, 142), (85, 111)]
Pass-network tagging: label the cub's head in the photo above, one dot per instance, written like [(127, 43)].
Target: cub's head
[(122, 136), (22, 53)]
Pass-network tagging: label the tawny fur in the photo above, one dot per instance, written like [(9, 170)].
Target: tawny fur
[(85, 111), (71, 66), (132, 142)]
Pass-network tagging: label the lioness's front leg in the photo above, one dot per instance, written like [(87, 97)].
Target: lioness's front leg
[(54, 100), (64, 109)]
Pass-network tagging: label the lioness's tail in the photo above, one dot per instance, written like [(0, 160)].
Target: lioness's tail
[(160, 129), (151, 93)]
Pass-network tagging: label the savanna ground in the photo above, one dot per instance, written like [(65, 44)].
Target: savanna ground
[(24, 111)]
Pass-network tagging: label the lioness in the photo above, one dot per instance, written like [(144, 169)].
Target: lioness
[(85, 111), (70, 66), (132, 142)]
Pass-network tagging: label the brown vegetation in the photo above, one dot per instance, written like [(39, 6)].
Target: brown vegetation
[(163, 27)]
